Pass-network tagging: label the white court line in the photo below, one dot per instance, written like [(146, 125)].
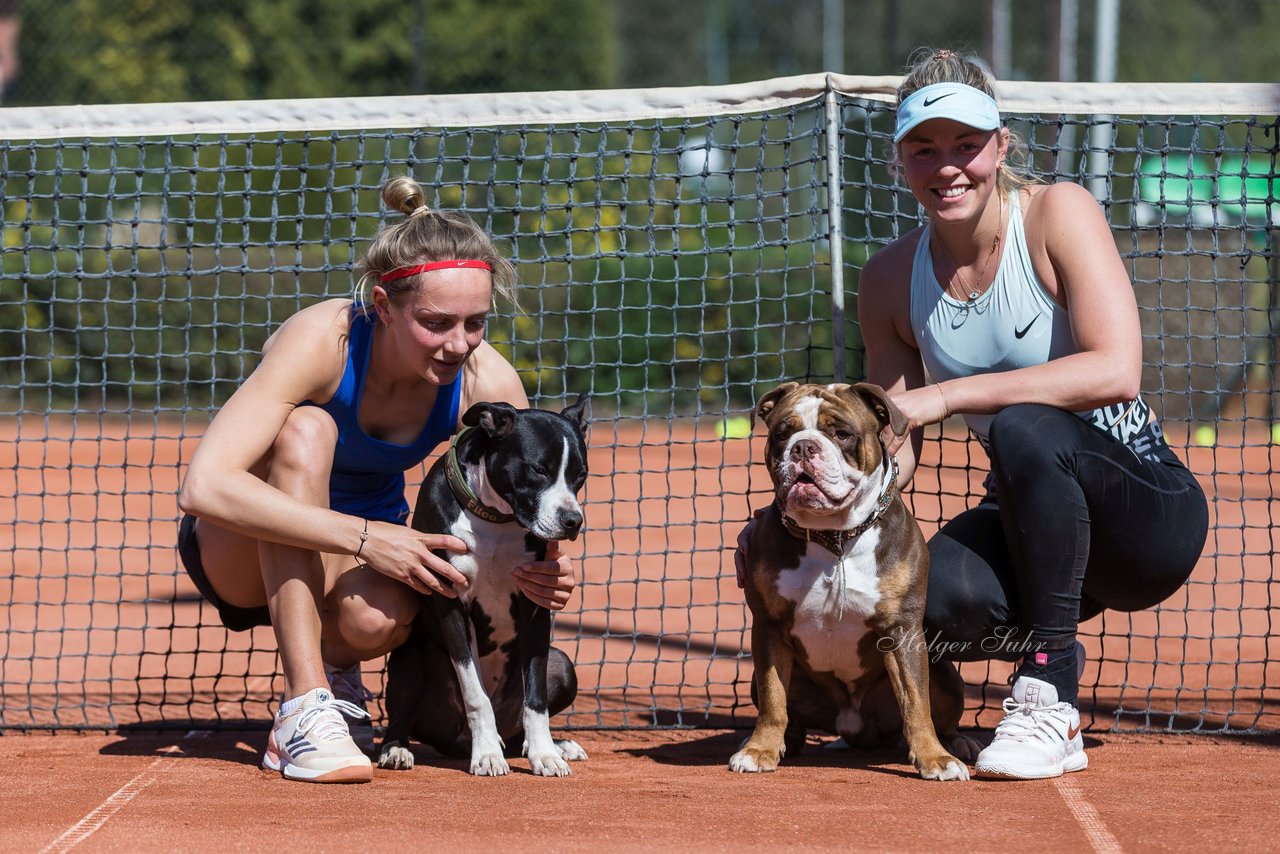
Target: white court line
[(1094, 828), (101, 814)]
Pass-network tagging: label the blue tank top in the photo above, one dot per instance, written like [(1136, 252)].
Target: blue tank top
[(368, 473)]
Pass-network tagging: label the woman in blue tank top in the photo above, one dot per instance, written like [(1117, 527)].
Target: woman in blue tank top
[(1015, 299), (294, 501)]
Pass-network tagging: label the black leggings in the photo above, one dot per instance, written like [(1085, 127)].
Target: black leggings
[(1073, 522)]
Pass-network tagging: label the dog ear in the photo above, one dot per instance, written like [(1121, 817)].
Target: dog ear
[(577, 412), (886, 412), (771, 398), (496, 419)]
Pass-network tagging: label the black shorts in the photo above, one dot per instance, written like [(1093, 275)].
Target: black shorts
[(234, 617)]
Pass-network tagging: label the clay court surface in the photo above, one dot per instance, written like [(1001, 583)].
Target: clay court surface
[(103, 634), (639, 791)]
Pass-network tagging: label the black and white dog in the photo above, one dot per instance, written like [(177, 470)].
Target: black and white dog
[(479, 672)]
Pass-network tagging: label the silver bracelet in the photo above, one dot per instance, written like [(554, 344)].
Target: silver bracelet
[(364, 536)]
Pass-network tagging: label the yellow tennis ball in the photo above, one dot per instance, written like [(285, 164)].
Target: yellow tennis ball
[(1205, 436), (734, 428), (1275, 433)]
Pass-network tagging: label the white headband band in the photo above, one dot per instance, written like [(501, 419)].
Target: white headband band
[(955, 101)]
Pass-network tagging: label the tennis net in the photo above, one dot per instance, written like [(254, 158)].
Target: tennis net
[(680, 251)]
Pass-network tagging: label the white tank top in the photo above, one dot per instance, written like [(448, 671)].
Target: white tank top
[(1015, 324)]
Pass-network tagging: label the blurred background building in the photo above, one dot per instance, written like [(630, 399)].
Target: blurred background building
[(125, 51)]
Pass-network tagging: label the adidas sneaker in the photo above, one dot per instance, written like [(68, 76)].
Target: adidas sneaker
[(312, 742), (1038, 738)]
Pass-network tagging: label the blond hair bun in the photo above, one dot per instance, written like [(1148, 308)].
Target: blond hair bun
[(405, 195)]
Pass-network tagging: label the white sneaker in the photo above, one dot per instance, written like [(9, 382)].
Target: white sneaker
[(1038, 738), (312, 742)]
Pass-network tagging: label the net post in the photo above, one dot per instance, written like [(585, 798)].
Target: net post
[(1272, 358), (835, 231), (1105, 40)]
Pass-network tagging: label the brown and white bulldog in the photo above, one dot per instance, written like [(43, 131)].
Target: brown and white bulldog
[(835, 578)]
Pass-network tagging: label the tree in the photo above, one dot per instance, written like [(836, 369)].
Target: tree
[(93, 52)]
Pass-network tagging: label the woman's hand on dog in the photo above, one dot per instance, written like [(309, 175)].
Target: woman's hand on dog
[(549, 582), (406, 555), (921, 406)]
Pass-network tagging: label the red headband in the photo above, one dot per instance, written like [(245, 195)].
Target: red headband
[(401, 272)]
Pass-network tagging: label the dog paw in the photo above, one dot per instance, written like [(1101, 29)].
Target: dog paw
[(964, 747), (570, 750), (943, 767), (782, 751), (549, 765), (395, 758), (750, 760), (490, 765)]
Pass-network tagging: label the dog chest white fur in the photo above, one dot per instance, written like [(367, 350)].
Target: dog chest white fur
[(492, 554), (833, 599)]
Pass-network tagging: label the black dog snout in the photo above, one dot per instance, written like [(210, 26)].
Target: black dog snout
[(571, 522)]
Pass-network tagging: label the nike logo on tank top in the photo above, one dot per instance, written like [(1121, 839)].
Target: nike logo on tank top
[(1015, 324)]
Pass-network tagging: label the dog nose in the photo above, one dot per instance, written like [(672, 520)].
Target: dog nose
[(571, 522), (805, 449)]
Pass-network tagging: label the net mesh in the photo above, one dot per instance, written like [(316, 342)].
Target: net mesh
[(675, 268)]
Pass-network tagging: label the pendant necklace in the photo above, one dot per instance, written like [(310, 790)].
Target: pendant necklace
[(971, 292)]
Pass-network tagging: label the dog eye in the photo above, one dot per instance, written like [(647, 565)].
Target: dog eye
[(844, 435), (539, 471)]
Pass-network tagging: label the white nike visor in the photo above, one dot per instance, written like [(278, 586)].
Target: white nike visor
[(955, 101)]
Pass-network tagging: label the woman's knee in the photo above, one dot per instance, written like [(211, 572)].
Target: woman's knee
[(1026, 425), (1030, 438), (304, 445), (374, 613)]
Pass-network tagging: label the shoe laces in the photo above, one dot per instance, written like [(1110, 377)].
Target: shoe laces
[(324, 720), (1030, 722), (348, 683)]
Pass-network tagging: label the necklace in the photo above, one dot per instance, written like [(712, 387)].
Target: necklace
[(972, 292)]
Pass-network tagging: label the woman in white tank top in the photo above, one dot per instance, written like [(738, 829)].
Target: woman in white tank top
[(1015, 300)]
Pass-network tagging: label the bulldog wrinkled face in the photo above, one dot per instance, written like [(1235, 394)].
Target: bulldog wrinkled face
[(824, 451)]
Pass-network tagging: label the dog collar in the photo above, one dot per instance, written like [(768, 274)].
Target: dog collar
[(462, 489), (834, 541)]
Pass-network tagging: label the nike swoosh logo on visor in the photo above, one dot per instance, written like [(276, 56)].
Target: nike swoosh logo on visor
[(1018, 333), (929, 102)]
